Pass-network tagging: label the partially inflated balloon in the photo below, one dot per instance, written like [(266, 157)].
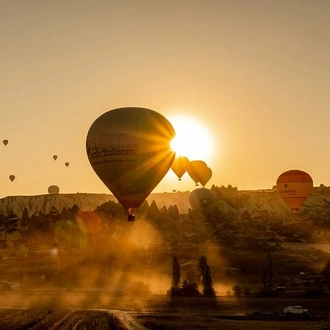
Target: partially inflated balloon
[(180, 166), (201, 197), (294, 186), (129, 149), (55, 157), (11, 177), (53, 189), (195, 170), (5, 142)]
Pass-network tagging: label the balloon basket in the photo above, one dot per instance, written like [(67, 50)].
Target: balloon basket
[(131, 217)]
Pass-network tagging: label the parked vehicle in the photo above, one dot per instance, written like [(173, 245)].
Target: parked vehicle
[(295, 310), (280, 289)]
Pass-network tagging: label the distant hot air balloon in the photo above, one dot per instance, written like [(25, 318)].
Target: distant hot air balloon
[(180, 166), (54, 157), (195, 170), (201, 197), (294, 186), (5, 142), (67, 164), (205, 176), (53, 189), (129, 149), (12, 177)]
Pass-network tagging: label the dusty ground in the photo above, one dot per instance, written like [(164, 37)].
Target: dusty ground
[(80, 310), (56, 319)]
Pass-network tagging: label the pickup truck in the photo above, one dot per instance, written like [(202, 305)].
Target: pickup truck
[(295, 310)]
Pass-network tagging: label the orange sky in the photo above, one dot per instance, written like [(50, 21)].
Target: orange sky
[(256, 73)]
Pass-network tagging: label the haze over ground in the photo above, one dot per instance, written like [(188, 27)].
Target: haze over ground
[(254, 73)]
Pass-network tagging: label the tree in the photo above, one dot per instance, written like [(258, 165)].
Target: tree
[(189, 289), (206, 277), (176, 273), (267, 273)]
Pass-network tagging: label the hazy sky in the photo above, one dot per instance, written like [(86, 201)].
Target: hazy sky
[(256, 73)]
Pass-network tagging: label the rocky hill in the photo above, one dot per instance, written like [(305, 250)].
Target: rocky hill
[(229, 200), (15, 205)]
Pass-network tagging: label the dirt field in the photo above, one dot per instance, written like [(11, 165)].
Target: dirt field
[(80, 310), (58, 319), (41, 319)]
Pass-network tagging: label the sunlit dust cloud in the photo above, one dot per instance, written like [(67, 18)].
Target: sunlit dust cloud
[(116, 264)]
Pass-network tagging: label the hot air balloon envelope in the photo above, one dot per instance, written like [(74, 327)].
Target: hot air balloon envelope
[(5, 142), (201, 197), (67, 164), (195, 170), (12, 178), (180, 166), (294, 186), (129, 149), (54, 157), (205, 175), (53, 189)]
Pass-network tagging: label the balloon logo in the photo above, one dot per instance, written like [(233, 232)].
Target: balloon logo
[(53, 189), (55, 157), (5, 142), (180, 166), (11, 177), (129, 149), (67, 164), (294, 186)]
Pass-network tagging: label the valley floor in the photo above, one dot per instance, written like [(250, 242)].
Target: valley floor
[(79, 310)]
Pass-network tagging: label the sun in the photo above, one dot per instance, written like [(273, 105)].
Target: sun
[(192, 139)]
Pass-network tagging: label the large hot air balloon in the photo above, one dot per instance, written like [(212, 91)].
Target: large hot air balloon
[(129, 149), (67, 164), (5, 142), (195, 170), (201, 197), (294, 186), (180, 166), (54, 157), (53, 189), (11, 177)]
